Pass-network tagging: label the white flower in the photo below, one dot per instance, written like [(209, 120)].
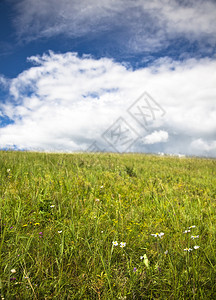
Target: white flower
[(157, 234), (13, 271), (97, 200), (101, 231), (60, 231), (8, 170), (166, 252), (115, 243), (122, 244), (186, 231), (194, 237), (196, 247), (141, 257), (188, 249), (193, 226), (52, 205), (101, 186)]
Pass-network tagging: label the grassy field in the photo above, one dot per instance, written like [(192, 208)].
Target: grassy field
[(65, 219)]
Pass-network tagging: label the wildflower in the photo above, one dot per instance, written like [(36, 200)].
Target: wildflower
[(193, 226), (166, 252), (25, 225), (157, 234), (8, 170), (60, 231), (35, 224), (97, 200), (101, 186), (115, 243), (11, 227), (41, 233), (52, 205), (101, 231), (186, 231), (196, 247), (26, 277), (12, 278), (13, 271), (188, 249), (122, 245), (194, 237), (134, 269), (141, 257)]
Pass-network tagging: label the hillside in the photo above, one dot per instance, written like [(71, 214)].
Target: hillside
[(107, 226)]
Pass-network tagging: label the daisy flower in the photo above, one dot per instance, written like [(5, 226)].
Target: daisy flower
[(186, 231), (157, 234), (194, 237), (196, 247), (188, 249), (122, 244), (115, 243)]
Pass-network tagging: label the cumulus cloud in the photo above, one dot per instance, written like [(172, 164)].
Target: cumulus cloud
[(3, 81), (160, 136), (146, 25), (65, 103), (204, 147)]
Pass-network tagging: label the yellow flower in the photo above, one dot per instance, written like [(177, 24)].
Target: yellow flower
[(25, 225), (36, 224)]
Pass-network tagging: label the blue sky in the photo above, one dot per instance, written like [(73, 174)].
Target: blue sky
[(118, 75)]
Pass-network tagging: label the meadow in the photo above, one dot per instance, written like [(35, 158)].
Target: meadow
[(107, 226)]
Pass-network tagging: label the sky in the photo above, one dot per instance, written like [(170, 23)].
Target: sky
[(108, 76)]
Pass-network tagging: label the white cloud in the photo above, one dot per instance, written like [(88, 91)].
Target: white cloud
[(65, 102), (3, 82), (160, 136), (203, 147), (145, 25)]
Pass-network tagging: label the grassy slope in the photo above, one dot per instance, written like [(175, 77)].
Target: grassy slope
[(141, 195)]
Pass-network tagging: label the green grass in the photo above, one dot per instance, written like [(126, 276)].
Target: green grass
[(98, 199)]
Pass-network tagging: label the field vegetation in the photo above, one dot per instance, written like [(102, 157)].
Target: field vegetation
[(107, 226)]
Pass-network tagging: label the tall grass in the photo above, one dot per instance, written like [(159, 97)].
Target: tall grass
[(61, 213)]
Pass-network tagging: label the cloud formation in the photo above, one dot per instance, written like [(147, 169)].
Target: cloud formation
[(160, 136), (146, 25), (65, 103)]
